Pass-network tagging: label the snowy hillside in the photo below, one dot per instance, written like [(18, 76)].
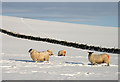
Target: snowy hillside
[(74, 66)]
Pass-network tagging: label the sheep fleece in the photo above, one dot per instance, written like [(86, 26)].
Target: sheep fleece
[(39, 56), (62, 53), (102, 58)]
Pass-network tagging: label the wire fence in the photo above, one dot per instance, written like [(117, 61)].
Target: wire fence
[(60, 42)]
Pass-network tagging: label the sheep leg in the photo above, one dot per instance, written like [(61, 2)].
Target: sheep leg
[(107, 64), (36, 61), (47, 60), (94, 64)]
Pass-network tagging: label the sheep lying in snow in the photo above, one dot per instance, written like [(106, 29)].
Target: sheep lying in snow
[(62, 53), (40, 56), (101, 58)]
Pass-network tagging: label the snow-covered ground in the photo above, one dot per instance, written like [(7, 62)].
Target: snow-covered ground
[(18, 65)]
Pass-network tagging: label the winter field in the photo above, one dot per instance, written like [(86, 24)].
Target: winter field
[(18, 65)]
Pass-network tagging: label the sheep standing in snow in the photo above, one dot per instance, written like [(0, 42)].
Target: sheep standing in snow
[(40, 56), (62, 53), (101, 58)]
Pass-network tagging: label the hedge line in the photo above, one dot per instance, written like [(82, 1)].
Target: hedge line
[(64, 43)]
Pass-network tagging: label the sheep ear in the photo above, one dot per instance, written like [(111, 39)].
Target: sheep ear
[(48, 50), (30, 50)]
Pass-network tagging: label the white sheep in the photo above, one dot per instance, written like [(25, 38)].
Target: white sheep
[(40, 56), (101, 58), (62, 53)]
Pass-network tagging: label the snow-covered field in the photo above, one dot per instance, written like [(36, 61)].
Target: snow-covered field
[(17, 64)]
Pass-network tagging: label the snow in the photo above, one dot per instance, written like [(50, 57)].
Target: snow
[(18, 65)]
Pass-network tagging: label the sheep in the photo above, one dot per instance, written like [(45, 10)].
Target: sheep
[(40, 56), (101, 58), (62, 53)]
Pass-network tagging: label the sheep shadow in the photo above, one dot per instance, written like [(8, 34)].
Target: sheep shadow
[(75, 63), (24, 60), (97, 64), (90, 64)]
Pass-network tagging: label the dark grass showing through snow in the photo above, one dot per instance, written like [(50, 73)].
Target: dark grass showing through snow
[(64, 43)]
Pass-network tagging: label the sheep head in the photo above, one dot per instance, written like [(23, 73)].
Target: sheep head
[(50, 52)]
